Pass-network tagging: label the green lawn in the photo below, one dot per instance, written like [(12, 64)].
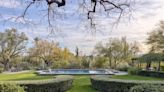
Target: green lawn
[(135, 77), (22, 76), (82, 84)]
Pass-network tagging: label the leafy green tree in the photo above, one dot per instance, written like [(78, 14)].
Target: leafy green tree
[(117, 50), (49, 52), (45, 51), (156, 41), (12, 44), (152, 57)]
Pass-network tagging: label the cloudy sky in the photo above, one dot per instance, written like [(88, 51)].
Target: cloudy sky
[(71, 30)]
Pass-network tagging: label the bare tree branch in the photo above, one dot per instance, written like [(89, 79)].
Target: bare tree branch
[(90, 8)]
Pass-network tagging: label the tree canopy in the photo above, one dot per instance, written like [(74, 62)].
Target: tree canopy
[(12, 44)]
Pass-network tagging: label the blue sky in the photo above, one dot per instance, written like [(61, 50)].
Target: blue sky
[(72, 30)]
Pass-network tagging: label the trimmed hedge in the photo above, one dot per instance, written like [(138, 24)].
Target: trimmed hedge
[(151, 74), (107, 84), (147, 88), (10, 87), (58, 84)]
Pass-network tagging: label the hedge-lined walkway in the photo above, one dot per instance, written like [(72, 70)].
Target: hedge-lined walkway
[(82, 84)]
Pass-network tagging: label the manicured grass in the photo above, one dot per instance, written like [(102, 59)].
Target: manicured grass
[(135, 77), (82, 84), (22, 76)]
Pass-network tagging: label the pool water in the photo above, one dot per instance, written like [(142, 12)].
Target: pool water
[(75, 71)]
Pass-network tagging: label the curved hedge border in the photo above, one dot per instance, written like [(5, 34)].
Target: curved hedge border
[(58, 84), (107, 84), (151, 73)]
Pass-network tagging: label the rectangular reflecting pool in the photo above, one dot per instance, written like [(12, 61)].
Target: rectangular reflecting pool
[(75, 72)]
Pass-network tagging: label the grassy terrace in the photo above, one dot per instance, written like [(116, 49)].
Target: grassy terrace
[(22, 76), (81, 82)]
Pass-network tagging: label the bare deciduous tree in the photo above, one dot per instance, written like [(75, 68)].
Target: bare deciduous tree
[(90, 8)]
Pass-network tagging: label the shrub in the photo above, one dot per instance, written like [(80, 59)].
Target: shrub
[(100, 62), (58, 84), (85, 62), (8, 87), (60, 64), (107, 84), (151, 73), (147, 88), (123, 67), (133, 71)]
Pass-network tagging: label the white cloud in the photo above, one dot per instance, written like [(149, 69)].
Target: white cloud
[(9, 3)]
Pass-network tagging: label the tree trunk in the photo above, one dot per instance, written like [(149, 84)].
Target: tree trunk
[(140, 64), (148, 65), (110, 62), (115, 65), (159, 65), (6, 65), (132, 63)]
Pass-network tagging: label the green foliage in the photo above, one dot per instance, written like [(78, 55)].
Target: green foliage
[(117, 51), (12, 44), (133, 71), (100, 62), (123, 67), (147, 88), (106, 84), (74, 64), (10, 87), (85, 62), (155, 39), (49, 54), (152, 57), (60, 64)]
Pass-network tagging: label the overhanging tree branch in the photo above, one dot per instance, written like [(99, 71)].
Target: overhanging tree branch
[(91, 8)]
